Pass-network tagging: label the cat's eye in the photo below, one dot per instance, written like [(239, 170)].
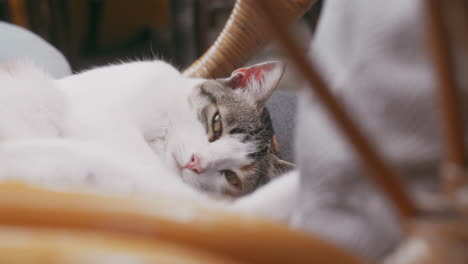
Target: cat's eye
[(231, 177), (216, 126)]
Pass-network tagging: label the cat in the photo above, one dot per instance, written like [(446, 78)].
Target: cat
[(140, 127)]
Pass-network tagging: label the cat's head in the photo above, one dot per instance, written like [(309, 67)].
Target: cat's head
[(227, 150)]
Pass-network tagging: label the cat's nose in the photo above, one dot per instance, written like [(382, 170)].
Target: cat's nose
[(194, 165)]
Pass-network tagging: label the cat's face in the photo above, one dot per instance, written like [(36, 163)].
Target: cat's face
[(224, 144)]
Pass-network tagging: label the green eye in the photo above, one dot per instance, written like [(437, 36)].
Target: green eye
[(217, 125), (231, 177)]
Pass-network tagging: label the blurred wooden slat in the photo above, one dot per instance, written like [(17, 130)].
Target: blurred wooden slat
[(447, 85), (444, 32), (177, 221), (379, 170), (59, 246), (243, 35), (18, 13)]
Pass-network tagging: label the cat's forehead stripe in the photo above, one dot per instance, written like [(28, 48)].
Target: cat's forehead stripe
[(203, 118), (207, 94), (248, 167), (237, 130)]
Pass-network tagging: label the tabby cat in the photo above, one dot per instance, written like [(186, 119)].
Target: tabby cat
[(139, 127)]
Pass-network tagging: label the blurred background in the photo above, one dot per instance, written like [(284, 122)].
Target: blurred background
[(97, 32)]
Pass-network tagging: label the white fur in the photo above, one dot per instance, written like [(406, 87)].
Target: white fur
[(275, 201), (30, 105), (132, 105), (124, 129)]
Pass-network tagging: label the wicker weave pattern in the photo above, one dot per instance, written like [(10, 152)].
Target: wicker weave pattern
[(243, 35)]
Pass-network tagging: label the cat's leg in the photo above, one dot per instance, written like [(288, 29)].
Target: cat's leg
[(329, 212), (62, 163), (83, 165), (355, 217), (276, 200)]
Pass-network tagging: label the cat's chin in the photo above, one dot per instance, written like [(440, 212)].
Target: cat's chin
[(186, 177), (174, 165), (190, 178)]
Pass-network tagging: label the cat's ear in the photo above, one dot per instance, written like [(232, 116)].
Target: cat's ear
[(257, 82), (280, 167)]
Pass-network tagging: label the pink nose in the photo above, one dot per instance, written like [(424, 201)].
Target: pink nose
[(194, 165)]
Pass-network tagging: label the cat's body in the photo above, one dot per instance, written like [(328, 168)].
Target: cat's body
[(136, 128), (30, 104)]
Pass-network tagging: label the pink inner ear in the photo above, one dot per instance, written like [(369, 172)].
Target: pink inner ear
[(249, 74)]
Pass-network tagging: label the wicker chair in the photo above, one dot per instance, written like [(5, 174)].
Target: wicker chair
[(54, 227), (41, 226)]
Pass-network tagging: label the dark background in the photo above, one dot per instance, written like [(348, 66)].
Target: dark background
[(96, 32)]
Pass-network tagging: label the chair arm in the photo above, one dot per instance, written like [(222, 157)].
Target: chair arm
[(243, 35)]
